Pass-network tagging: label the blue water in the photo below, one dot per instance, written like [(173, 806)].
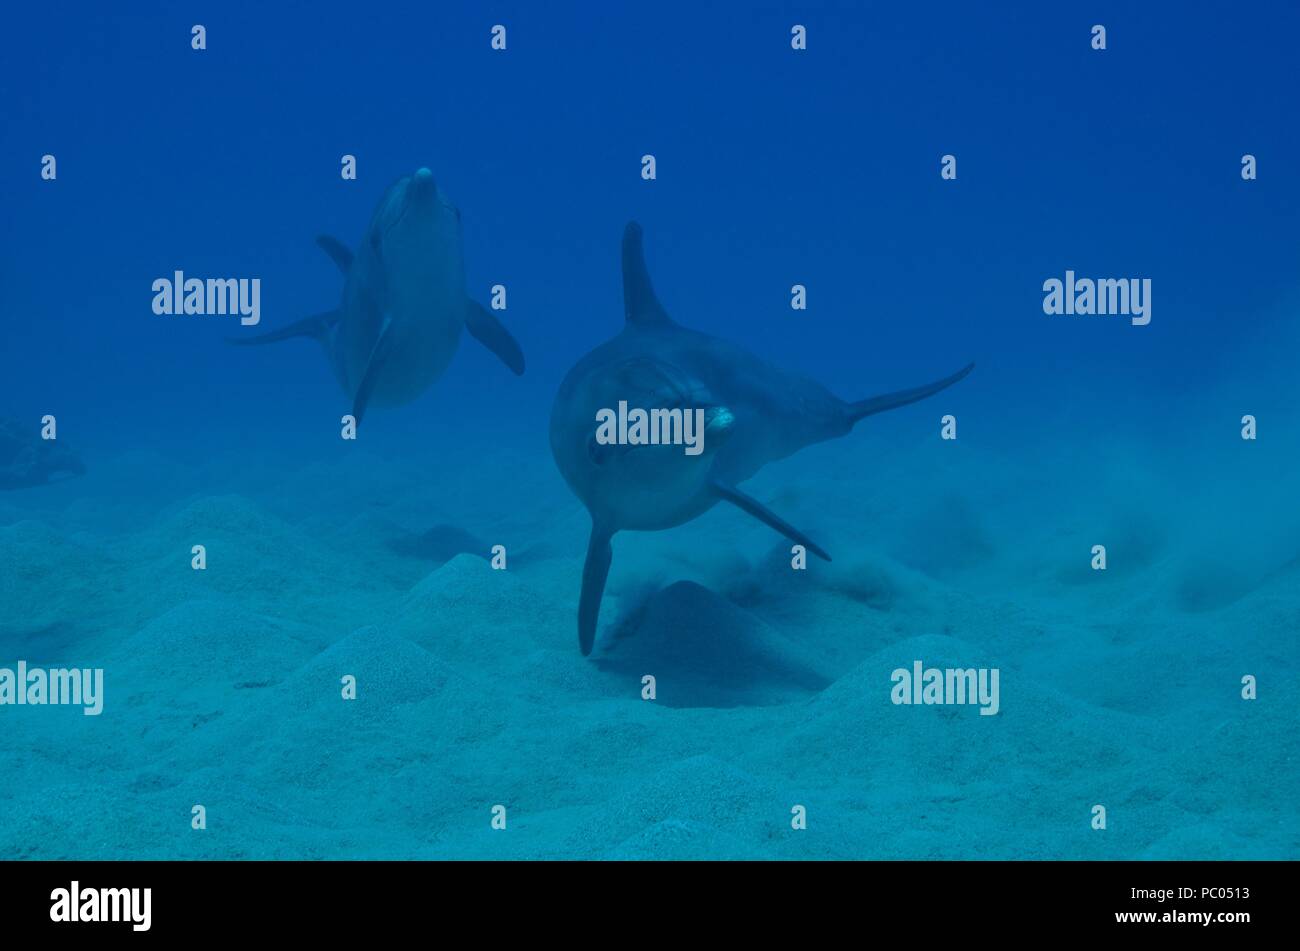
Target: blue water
[(1120, 688)]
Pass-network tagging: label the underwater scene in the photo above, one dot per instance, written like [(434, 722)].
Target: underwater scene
[(674, 431)]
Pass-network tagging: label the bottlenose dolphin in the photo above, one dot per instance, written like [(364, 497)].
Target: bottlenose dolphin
[(27, 461), (753, 414), (404, 301)]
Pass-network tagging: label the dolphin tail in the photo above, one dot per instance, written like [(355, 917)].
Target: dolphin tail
[(594, 573), (490, 332), (765, 515), (878, 404), (316, 326)]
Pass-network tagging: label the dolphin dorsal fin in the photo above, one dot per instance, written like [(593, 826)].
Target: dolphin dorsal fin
[(337, 250), (640, 305)]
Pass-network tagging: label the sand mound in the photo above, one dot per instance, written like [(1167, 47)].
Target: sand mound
[(707, 652), (48, 582), (389, 670), (439, 544), (468, 611), (218, 643)]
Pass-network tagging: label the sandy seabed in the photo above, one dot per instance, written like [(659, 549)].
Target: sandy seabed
[(1120, 688)]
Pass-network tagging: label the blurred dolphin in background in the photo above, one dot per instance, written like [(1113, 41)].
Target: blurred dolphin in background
[(404, 301)]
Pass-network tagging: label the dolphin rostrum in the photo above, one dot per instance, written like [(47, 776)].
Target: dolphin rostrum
[(750, 414), (404, 301)]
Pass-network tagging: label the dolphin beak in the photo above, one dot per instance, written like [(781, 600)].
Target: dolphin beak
[(422, 186)]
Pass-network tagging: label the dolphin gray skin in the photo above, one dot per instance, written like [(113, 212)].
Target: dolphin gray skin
[(754, 414), (404, 301), (27, 461)]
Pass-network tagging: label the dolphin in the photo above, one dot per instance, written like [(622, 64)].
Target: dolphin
[(752, 414), (27, 461), (404, 301)]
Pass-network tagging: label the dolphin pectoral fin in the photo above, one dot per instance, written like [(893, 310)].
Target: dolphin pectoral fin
[(761, 512), (594, 573), (878, 404), (337, 250), (316, 326), (374, 367), (490, 332)]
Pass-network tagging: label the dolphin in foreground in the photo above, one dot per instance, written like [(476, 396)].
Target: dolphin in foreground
[(752, 414), (404, 301)]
